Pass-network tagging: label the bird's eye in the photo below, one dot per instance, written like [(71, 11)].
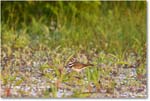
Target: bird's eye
[(70, 64)]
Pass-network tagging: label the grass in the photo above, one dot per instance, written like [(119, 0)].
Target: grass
[(110, 38), (125, 29)]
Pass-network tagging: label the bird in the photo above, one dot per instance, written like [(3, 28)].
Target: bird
[(78, 67)]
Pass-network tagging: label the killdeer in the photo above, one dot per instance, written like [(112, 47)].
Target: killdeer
[(78, 67)]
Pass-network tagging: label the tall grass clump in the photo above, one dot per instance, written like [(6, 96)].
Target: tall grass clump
[(114, 27)]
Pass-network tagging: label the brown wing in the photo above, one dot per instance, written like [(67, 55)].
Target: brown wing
[(79, 65)]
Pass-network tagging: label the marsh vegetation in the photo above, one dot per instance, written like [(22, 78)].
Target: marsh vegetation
[(39, 39)]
